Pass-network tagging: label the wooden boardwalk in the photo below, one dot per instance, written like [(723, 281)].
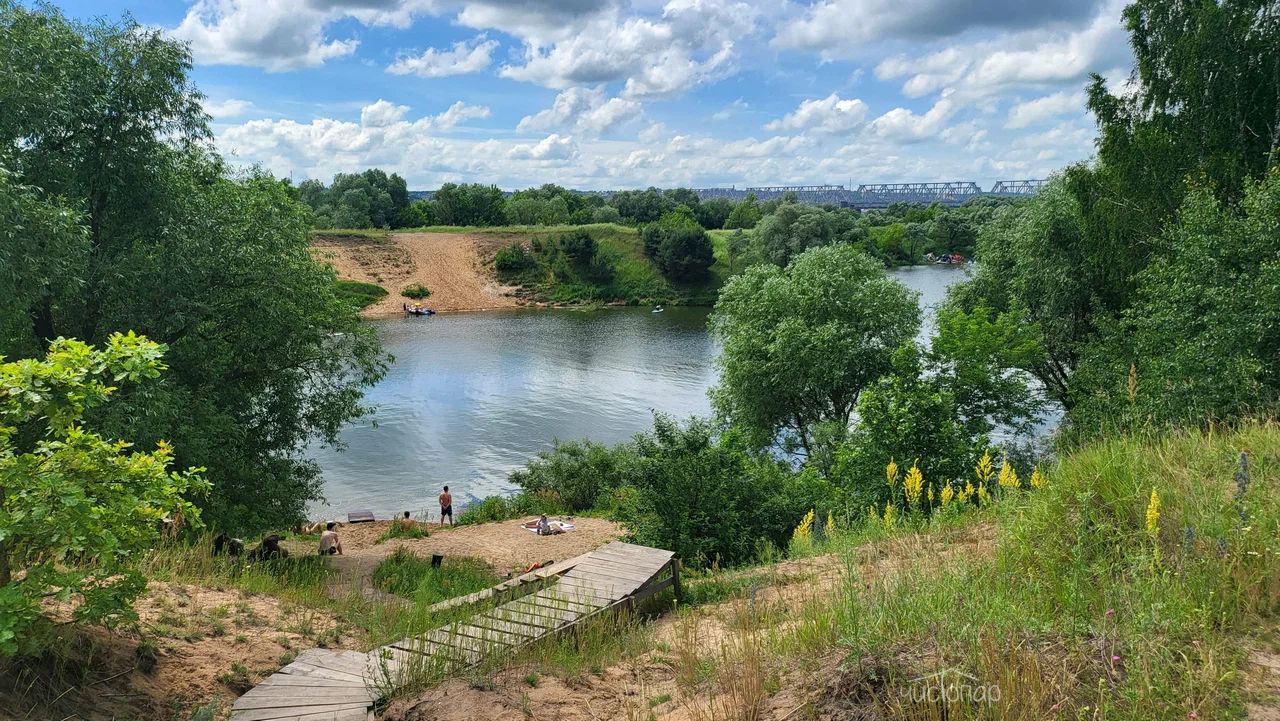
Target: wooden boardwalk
[(325, 685)]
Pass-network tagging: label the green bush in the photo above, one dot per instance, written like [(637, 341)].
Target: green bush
[(503, 508), (407, 574), (358, 292), (417, 291), (404, 528), (579, 473), (513, 259)]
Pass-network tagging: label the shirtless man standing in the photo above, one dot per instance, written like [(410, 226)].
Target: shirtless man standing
[(446, 505)]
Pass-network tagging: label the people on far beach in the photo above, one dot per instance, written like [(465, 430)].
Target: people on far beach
[(446, 505), (329, 543)]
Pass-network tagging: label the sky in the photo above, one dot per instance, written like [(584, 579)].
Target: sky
[(612, 94)]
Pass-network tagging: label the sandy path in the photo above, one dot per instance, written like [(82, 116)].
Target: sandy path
[(451, 265), (505, 546)]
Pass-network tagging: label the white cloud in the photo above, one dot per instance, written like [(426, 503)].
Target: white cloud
[(228, 108), (903, 125), (1034, 58), (464, 57), (1038, 110), (731, 109), (689, 44), (831, 115), (459, 112), (838, 27), (279, 35), (552, 147), (381, 114), (585, 111)]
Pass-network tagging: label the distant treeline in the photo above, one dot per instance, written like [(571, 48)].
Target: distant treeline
[(902, 233)]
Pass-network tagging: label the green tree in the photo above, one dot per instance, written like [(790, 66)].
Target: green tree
[(744, 215), (736, 248), (1202, 338), (469, 204), (714, 212), (266, 358), (75, 507), (909, 417), (696, 497), (793, 229), (685, 253), (580, 474), (801, 343)]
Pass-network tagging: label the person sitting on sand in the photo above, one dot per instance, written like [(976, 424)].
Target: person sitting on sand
[(268, 549), (545, 528), (329, 543)]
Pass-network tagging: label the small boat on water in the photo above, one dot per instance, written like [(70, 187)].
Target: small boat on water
[(418, 310), (658, 309)]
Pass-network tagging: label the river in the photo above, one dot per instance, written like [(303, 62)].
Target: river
[(472, 396)]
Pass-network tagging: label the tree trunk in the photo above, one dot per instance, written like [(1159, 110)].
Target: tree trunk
[(6, 573)]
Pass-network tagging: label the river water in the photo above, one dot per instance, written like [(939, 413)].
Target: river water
[(472, 396)]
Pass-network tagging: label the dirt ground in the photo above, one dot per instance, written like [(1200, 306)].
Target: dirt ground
[(656, 685), (209, 645), (451, 265), (191, 647), (505, 546)]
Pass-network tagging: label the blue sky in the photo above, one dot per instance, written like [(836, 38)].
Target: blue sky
[(602, 94)]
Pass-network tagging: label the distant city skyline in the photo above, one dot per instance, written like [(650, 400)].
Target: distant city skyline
[(611, 95)]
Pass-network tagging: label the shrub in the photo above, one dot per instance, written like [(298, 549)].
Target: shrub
[(417, 291), (358, 292), (502, 508), (579, 246), (404, 528), (407, 574), (685, 253), (514, 258), (606, 214), (579, 473)]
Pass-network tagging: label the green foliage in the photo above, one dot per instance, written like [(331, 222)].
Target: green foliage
[(404, 528), (371, 199), (616, 270), (468, 204), (695, 497), (801, 343), (745, 215), (502, 508), (1201, 338), (360, 293), (908, 417), (417, 291), (407, 574), (266, 358), (74, 507), (513, 259), (679, 246), (581, 474)]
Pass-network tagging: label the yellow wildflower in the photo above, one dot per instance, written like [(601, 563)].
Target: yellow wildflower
[(930, 493), (1008, 476), (1037, 478), (830, 528), (888, 514), (1153, 514), (891, 473), (947, 494), (803, 534), (985, 468), (967, 492), (983, 499), (913, 486)]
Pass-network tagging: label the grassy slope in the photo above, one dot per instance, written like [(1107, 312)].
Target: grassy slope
[(638, 279)]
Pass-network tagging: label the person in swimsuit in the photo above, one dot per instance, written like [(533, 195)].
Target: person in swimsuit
[(446, 505)]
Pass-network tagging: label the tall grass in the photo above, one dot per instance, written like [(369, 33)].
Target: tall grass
[(1090, 607), (406, 574)]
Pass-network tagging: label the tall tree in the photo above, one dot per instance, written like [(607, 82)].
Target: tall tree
[(265, 358), (802, 342)]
